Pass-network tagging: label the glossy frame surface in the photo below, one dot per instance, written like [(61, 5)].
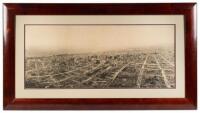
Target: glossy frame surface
[(186, 9)]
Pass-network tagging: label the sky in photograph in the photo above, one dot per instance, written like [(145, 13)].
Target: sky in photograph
[(43, 40)]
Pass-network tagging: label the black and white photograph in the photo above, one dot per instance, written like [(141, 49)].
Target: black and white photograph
[(99, 56)]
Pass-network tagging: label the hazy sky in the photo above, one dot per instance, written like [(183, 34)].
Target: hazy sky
[(59, 39)]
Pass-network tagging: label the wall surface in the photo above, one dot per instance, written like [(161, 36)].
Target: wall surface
[(86, 1)]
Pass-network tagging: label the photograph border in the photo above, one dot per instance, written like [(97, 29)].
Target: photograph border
[(9, 20)]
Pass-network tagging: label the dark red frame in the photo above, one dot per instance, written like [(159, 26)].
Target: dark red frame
[(186, 9)]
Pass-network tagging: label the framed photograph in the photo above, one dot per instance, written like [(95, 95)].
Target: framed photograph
[(100, 56)]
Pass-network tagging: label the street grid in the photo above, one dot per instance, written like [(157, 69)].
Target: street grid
[(152, 71)]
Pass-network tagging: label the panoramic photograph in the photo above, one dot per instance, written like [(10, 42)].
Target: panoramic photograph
[(95, 56)]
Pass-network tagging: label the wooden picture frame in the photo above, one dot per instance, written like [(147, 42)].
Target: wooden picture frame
[(10, 102)]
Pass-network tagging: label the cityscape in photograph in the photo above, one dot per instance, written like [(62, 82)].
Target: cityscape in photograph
[(127, 68)]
